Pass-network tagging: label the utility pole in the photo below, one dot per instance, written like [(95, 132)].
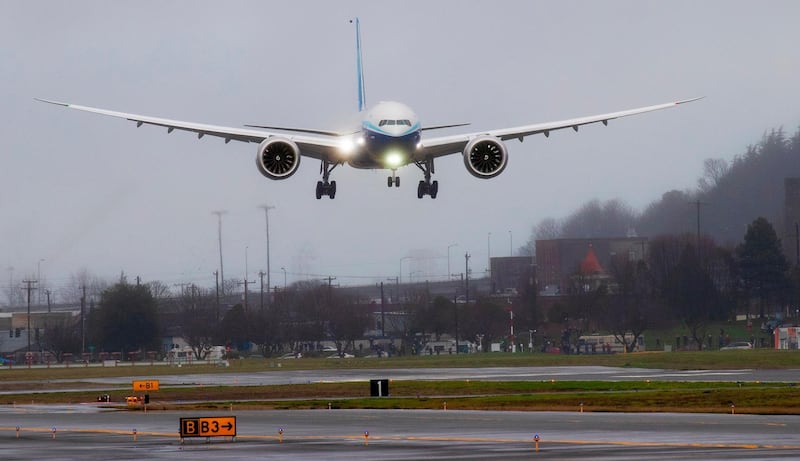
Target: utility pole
[(466, 271), (245, 283), (383, 318), (261, 276), (455, 308), (29, 287), (266, 216), (697, 204), (219, 236), (330, 289)]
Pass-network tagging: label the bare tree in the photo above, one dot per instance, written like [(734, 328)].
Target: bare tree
[(198, 320), (346, 323), (631, 308), (61, 337), (94, 287), (595, 219), (158, 289), (714, 169)]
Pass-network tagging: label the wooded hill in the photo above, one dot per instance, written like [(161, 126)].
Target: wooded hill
[(730, 194)]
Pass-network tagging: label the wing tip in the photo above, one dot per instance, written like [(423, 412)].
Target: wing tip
[(685, 101), (49, 101)]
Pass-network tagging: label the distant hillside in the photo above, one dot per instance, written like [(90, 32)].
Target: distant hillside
[(753, 187), (730, 195)]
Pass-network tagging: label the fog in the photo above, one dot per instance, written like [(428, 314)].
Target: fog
[(82, 191)]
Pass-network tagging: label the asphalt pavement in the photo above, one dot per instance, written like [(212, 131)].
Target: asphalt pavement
[(87, 432)]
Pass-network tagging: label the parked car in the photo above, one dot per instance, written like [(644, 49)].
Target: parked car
[(291, 355), (738, 345), (344, 355)]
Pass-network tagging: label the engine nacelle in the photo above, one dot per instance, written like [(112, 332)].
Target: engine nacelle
[(485, 157), (278, 158)]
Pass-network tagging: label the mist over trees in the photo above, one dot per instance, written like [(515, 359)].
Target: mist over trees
[(730, 195)]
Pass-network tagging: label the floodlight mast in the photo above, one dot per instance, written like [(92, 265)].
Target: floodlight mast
[(219, 214), (266, 209)]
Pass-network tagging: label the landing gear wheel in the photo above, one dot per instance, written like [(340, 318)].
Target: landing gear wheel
[(389, 181), (421, 189), (434, 189), (332, 190), (319, 190), (397, 181)]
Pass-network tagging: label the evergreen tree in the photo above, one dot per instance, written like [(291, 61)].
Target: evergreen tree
[(126, 319), (762, 264)]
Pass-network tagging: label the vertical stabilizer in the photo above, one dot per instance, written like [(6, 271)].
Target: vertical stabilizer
[(362, 98)]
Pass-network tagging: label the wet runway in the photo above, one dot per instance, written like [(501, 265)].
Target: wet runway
[(583, 373), (84, 432)]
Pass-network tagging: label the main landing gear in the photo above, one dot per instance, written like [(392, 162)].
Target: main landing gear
[(326, 187), (426, 186)]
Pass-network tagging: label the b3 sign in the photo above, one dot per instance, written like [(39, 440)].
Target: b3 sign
[(224, 426)]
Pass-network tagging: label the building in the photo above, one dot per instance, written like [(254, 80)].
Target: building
[(559, 260), (786, 337), (511, 275)]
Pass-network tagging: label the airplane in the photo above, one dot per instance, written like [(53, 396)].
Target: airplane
[(389, 138)]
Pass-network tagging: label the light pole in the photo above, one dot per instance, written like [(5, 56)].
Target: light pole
[(489, 253), (266, 216), (10, 284), (510, 244), (284, 278), (219, 214), (400, 279), (39, 279), (448, 259)]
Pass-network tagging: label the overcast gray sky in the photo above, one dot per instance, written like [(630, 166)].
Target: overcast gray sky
[(83, 191)]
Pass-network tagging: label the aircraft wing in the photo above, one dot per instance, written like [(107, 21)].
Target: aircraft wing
[(310, 146), (445, 145)]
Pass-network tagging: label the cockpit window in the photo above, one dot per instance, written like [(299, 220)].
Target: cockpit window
[(394, 122)]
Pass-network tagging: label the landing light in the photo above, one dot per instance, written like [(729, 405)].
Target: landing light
[(347, 146), (394, 159)]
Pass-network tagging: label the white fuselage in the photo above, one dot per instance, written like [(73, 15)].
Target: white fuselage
[(390, 133)]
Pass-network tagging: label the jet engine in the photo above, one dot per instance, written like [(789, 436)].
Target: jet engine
[(278, 158), (485, 157)]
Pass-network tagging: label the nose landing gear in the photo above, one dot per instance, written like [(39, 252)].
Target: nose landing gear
[(393, 180)]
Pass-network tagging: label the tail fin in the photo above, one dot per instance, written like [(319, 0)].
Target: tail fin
[(362, 97)]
